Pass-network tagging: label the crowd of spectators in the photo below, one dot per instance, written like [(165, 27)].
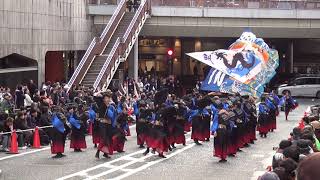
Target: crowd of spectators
[(297, 158), (29, 106)]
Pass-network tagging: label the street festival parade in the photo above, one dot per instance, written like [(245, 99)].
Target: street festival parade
[(220, 108)]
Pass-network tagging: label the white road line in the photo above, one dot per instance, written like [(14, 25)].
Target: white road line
[(128, 157), (25, 153), (153, 162), (107, 164), (34, 151), (118, 167)]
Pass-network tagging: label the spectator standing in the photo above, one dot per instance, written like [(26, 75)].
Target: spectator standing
[(153, 71), (6, 105), (171, 86), (195, 72), (56, 96), (129, 5), (27, 101), (36, 97), (147, 86), (136, 4), (131, 85), (178, 88), (140, 85), (2, 92), (32, 88), (19, 97)]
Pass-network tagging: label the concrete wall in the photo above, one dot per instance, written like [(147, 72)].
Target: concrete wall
[(175, 11), (33, 27), (236, 12), (223, 22)]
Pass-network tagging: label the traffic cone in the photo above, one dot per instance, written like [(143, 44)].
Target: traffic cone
[(90, 128), (36, 139), (14, 143)]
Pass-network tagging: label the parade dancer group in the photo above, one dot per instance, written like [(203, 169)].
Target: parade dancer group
[(109, 127), (234, 125), (163, 120)]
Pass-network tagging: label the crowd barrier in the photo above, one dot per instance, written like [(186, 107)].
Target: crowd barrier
[(25, 130), (14, 137)]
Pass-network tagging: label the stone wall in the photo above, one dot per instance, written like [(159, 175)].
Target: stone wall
[(33, 27)]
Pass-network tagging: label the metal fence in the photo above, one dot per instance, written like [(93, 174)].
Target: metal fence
[(265, 4), (103, 2)]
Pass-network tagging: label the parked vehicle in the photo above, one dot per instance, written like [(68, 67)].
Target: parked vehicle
[(307, 86)]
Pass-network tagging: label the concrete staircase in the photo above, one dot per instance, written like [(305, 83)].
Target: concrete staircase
[(99, 60)]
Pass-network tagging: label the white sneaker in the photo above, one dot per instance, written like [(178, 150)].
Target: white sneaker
[(4, 150), (22, 148)]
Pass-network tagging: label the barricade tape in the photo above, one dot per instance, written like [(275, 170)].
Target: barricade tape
[(25, 130)]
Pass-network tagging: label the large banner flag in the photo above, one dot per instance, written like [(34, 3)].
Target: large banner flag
[(221, 82), (245, 67), (242, 66)]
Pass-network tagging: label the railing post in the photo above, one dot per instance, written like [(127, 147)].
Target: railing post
[(136, 60)]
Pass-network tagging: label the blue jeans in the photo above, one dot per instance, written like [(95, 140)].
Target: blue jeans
[(6, 141)]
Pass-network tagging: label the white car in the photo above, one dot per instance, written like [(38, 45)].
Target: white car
[(301, 86)]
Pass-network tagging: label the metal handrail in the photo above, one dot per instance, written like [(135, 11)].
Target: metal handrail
[(79, 67), (113, 17), (107, 63), (134, 20), (95, 46), (145, 5), (242, 4)]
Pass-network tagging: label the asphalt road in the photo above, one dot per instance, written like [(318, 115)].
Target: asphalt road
[(185, 162)]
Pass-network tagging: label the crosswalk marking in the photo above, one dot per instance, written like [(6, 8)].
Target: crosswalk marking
[(84, 174)]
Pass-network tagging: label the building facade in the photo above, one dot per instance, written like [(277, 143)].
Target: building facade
[(55, 33), (47, 31)]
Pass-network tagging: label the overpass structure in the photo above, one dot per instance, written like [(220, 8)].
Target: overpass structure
[(219, 19), (92, 38)]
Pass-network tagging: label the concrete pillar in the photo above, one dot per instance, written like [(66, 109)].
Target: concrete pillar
[(136, 61), (291, 56), (76, 59), (133, 60), (187, 46), (131, 64), (198, 48), (121, 76), (41, 71)]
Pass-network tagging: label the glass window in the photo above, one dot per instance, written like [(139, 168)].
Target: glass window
[(300, 81), (311, 81)]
